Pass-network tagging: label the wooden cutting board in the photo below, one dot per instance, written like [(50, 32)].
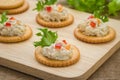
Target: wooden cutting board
[(20, 56)]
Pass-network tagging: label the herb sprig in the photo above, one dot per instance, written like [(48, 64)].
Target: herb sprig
[(98, 7), (41, 3), (48, 37), (98, 14), (4, 18), (114, 7)]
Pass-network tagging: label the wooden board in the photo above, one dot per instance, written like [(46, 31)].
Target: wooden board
[(20, 56)]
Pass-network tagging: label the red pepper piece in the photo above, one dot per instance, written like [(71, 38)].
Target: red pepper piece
[(90, 17), (64, 41), (7, 24), (12, 18), (92, 24), (49, 8), (58, 46)]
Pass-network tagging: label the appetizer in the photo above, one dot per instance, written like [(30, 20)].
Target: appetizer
[(94, 30), (52, 16), (13, 6), (13, 30), (53, 52)]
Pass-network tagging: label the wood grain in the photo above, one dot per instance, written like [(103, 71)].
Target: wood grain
[(20, 56)]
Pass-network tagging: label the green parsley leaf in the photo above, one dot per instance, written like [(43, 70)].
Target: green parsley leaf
[(86, 5), (107, 7), (48, 38), (114, 7), (50, 2), (39, 34), (40, 4), (104, 18), (98, 14), (4, 18)]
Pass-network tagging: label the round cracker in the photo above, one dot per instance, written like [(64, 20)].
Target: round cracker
[(55, 24), (57, 63), (18, 10), (10, 4), (92, 39), (9, 39)]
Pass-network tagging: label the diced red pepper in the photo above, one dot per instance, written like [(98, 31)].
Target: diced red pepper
[(12, 18), (92, 24), (58, 46), (7, 24), (64, 41), (49, 8), (90, 17)]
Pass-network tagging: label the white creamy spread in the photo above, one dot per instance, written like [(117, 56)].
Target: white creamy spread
[(12, 27), (54, 13), (58, 51), (94, 27)]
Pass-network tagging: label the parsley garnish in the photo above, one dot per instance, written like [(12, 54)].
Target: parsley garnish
[(48, 38), (113, 7), (98, 14), (40, 4), (4, 18), (99, 7)]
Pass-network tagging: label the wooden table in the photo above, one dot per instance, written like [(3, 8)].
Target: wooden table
[(20, 56)]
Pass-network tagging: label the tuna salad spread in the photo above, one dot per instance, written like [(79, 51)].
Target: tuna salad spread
[(94, 27), (59, 51), (54, 13), (12, 27)]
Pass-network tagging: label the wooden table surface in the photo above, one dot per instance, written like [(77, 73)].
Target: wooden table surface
[(110, 70), (114, 67)]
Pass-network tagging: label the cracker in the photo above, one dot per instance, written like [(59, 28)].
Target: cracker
[(18, 10), (55, 24), (92, 39), (57, 63), (10, 4), (8, 39)]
